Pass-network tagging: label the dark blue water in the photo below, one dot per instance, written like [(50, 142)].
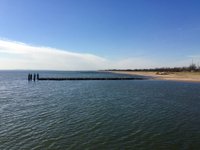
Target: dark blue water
[(145, 114)]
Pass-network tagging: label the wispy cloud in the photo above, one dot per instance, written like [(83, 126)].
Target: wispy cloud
[(194, 57), (17, 55)]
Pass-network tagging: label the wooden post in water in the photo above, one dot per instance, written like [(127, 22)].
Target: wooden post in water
[(30, 77), (38, 77), (34, 77)]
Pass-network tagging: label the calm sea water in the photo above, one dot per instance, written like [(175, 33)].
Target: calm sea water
[(145, 115)]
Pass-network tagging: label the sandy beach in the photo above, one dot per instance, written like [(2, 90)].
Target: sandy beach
[(175, 76)]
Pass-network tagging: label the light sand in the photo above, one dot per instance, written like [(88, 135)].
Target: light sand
[(175, 76)]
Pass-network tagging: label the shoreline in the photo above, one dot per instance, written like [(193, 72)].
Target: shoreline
[(171, 76)]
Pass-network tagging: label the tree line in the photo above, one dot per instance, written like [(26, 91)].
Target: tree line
[(191, 68)]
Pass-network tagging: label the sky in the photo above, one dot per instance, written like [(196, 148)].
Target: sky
[(98, 34)]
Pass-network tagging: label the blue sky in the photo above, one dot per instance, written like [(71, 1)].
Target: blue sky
[(122, 33)]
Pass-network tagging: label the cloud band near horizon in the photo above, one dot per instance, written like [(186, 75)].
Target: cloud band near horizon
[(17, 55)]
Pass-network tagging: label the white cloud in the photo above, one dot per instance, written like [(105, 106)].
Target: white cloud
[(17, 55)]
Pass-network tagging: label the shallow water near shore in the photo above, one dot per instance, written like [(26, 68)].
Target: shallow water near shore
[(143, 114)]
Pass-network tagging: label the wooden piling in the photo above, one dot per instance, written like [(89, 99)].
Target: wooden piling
[(61, 79), (34, 77)]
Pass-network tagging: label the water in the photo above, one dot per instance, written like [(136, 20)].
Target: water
[(143, 114)]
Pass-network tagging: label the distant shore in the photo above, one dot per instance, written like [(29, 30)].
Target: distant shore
[(174, 76)]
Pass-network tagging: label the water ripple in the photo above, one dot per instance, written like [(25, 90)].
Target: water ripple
[(99, 115)]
